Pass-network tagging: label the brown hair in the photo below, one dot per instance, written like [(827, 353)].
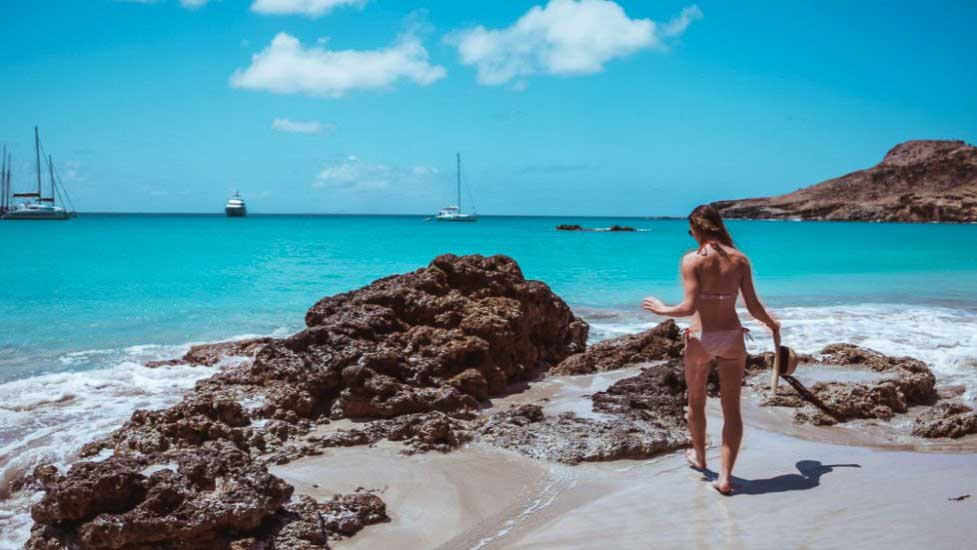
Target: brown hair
[(707, 222)]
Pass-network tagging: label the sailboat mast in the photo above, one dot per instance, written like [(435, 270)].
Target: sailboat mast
[(50, 167), (37, 153), (10, 163), (3, 182), (459, 182)]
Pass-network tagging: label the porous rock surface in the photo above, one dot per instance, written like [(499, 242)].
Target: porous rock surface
[(664, 341), (637, 417), (953, 420), (906, 382)]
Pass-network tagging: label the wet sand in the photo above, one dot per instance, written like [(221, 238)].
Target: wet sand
[(796, 490)]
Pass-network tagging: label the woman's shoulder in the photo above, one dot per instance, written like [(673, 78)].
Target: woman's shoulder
[(740, 258)]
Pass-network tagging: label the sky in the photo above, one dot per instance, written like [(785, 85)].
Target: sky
[(558, 107)]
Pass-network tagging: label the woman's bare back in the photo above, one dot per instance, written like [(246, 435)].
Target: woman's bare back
[(720, 272)]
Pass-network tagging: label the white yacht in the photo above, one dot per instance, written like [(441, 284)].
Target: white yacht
[(235, 207), (35, 205), (454, 213)]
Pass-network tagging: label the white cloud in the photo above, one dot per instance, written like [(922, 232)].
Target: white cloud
[(286, 67), (356, 175), (310, 8), (301, 127), (678, 25), (566, 37)]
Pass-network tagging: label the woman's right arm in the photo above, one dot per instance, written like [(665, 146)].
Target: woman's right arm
[(753, 304)]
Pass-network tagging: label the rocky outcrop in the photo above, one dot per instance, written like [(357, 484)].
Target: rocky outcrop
[(953, 420), (204, 497), (569, 227), (906, 382), (209, 355), (917, 181), (416, 351), (664, 341), (638, 417)]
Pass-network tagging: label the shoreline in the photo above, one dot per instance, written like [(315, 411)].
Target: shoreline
[(482, 497)]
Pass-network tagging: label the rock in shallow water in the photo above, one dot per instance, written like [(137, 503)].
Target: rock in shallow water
[(952, 420), (642, 416), (664, 341), (907, 382)]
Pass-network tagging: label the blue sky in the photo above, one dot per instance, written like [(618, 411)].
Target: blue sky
[(558, 108)]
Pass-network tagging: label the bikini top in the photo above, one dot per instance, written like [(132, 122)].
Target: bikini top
[(719, 297)]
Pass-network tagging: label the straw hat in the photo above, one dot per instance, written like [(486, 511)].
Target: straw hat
[(784, 364), (785, 361)]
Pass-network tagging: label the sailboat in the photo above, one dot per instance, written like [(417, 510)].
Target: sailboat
[(454, 213), (41, 207)]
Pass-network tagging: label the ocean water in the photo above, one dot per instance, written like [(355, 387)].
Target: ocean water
[(84, 303)]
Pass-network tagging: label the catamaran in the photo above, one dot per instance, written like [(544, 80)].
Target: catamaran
[(454, 213), (41, 207), (235, 207)]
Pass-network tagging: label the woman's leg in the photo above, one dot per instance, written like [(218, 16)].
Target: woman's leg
[(730, 386), (696, 377)]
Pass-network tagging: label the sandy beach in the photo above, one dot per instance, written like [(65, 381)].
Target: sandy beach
[(796, 490)]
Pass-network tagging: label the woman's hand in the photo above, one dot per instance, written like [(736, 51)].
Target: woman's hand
[(653, 305)]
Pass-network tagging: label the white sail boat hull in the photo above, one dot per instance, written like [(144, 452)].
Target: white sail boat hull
[(454, 213), (36, 212)]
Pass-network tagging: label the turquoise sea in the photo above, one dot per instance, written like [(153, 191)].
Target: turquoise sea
[(84, 303)]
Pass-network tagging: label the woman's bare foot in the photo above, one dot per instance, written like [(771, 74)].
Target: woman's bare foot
[(694, 460), (723, 486)]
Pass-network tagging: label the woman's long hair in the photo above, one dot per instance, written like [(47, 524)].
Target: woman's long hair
[(707, 222)]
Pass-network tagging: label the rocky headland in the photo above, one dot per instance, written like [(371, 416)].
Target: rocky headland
[(414, 359), (917, 181)]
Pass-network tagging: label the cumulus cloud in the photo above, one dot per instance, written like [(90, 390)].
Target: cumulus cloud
[(300, 127), (287, 67), (566, 37), (356, 175), (310, 8)]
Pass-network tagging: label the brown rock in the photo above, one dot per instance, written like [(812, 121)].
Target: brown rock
[(641, 416), (952, 420), (908, 382), (203, 496), (661, 342)]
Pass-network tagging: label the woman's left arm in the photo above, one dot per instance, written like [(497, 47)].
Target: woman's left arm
[(690, 286)]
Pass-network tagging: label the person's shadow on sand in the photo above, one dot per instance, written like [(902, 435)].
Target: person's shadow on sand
[(808, 478)]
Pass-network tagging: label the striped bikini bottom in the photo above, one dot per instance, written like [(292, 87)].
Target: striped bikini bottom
[(720, 343)]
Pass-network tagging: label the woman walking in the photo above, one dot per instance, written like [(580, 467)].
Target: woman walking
[(712, 277)]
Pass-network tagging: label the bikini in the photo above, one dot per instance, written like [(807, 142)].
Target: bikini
[(718, 343)]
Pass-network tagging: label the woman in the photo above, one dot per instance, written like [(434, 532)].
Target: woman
[(712, 277)]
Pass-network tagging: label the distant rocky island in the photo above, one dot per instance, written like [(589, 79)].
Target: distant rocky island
[(917, 181)]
